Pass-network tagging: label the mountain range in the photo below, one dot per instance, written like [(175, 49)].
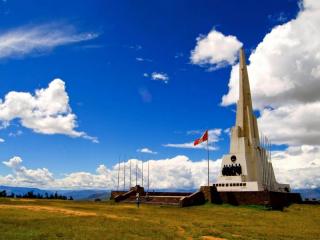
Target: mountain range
[(91, 194)]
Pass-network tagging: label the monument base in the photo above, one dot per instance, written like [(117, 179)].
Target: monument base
[(275, 200)]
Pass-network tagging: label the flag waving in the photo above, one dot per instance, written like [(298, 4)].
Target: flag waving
[(203, 138)]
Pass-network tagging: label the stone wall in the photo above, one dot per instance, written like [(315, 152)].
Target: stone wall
[(196, 198)]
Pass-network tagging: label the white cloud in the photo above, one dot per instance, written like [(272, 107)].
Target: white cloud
[(285, 79), (38, 39), (213, 137), (25, 176), (13, 162), (297, 165), (46, 112), (146, 150), (177, 172), (160, 77), (215, 49), (292, 124), (2, 140), (140, 59)]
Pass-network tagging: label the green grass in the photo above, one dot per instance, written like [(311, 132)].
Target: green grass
[(49, 219)]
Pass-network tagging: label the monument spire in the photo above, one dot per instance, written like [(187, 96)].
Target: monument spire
[(246, 167), (245, 120)]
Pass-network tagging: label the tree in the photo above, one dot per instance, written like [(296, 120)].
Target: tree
[(3, 193)]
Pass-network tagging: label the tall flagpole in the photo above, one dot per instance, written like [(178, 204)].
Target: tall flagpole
[(148, 175), (208, 159), (141, 173), (130, 175), (136, 172), (124, 175), (118, 173)]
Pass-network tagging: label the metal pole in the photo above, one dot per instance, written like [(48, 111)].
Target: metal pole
[(271, 177), (264, 161), (118, 173), (141, 173), (208, 161), (124, 176), (148, 175), (261, 158), (136, 172), (130, 174), (268, 169)]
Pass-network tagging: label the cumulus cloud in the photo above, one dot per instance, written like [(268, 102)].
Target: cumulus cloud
[(26, 40), (13, 162), (214, 135), (297, 165), (2, 140), (146, 150), (24, 176), (46, 112), (215, 49), (160, 77), (284, 73), (170, 173), (292, 124)]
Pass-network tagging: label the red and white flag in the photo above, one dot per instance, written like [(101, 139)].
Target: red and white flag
[(203, 138)]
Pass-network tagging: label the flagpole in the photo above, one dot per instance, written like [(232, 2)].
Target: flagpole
[(208, 161), (124, 175), (130, 175), (148, 175), (142, 173), (136, 172), (118, 173)]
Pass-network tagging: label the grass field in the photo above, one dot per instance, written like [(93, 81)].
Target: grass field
[(48, 219)]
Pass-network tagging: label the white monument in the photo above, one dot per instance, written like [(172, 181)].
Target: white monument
[(248, 166)]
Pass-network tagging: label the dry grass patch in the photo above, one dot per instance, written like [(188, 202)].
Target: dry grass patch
[(54, 219)]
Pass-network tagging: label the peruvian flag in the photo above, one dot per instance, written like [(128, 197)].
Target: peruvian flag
[(203, 138)]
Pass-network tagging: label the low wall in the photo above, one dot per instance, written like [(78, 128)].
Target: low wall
[(196, 198), (169, 193), (116, 193), (124, 196)]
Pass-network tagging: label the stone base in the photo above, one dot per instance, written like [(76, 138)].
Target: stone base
[(275, 200)]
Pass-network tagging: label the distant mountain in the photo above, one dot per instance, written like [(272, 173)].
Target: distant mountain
[(85, 194), (308, 193), (90, 194), (24, 190)]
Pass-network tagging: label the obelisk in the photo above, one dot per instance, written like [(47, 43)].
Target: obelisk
[(247, 166)]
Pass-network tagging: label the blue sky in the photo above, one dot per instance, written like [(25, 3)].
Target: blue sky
[(106, 55)]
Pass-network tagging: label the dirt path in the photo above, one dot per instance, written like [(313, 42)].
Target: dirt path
[(66, 211), (50, 209)]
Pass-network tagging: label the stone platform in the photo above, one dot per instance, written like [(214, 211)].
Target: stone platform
[(160, 198), (274, 200)]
